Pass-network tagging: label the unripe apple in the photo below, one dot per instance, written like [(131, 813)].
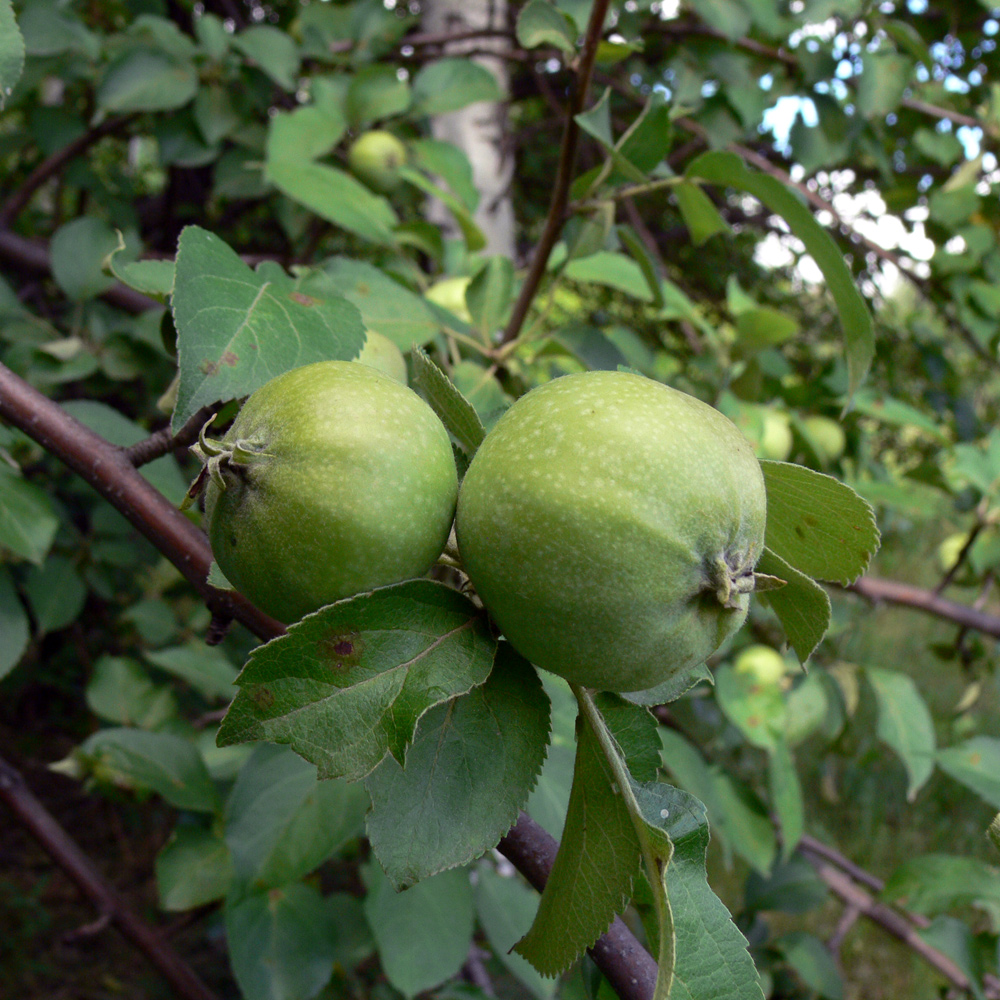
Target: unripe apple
[(381, 353), (375, 158), (776, 438), (826, 436), (611, 526), (764, 664), (334, 479), (449, 293)]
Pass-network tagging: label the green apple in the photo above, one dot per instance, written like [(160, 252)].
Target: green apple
[(775, 441), (375, 158), (449, 293), (334, 479), (611, 526), (765, 664), (826, 437), (381, 353)]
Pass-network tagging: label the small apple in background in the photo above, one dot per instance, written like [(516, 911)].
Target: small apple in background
[(381, 353), (449, 293), (826, 437), (375, 158), (765, 664)]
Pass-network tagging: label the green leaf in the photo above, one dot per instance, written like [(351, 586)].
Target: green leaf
[(375, 92), (933, 883), (423, 934), (14, 627), (282, 942), (699, 213), (817, 524), (489, 296), (78, 252), (120, 691), (759, 328), (896, 413), (802, 605), (237, 329), (884, 79), (744, 822), (589, 346), (794, 886), (450, 163), (592, 876), (385, 305), (55, 594), (152, 277), (335, 196), (467, 775), (549, 798), (642, 257), (786, 796), (281, 822), (614, 270), (450, 84), (730, 17), (273, 50), (905, 724), (168, 765), (455, 411), (482, 389), (505, 906), (757, 710), (710, 954), (303, 134), (206, 668), (473, 235), (11, 52), (729, 169), (813, 963), (143, 80), (976, 764), (540, 23), (27, 522), (193, 868), (736, 820), (347, 684)]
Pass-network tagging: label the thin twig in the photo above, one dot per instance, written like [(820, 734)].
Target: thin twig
[(564, 174), (51, 165), (162, 441), (876, 589), (67, 854), (109, 471), (33, 255), (894, 923)]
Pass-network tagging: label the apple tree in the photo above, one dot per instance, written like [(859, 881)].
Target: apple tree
[(484, 772)]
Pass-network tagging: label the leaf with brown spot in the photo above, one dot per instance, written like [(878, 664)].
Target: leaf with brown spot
[(348, 684)]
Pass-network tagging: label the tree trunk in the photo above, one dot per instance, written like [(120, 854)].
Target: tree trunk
[(479, 130)]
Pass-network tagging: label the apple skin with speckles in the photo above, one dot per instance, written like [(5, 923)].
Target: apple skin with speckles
[(352, 486), (611, 526)]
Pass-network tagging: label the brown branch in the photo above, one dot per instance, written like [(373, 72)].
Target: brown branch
[(564, 174), (894, 923), (162, 441), (110, 472), (876, 589), (627, 966), (33, 255), (66, 853), (50, 166)]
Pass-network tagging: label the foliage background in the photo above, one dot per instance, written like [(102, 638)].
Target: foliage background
[(146, 118)]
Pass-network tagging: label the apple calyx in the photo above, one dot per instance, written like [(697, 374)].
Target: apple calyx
[(729, 584), (217, 455)]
